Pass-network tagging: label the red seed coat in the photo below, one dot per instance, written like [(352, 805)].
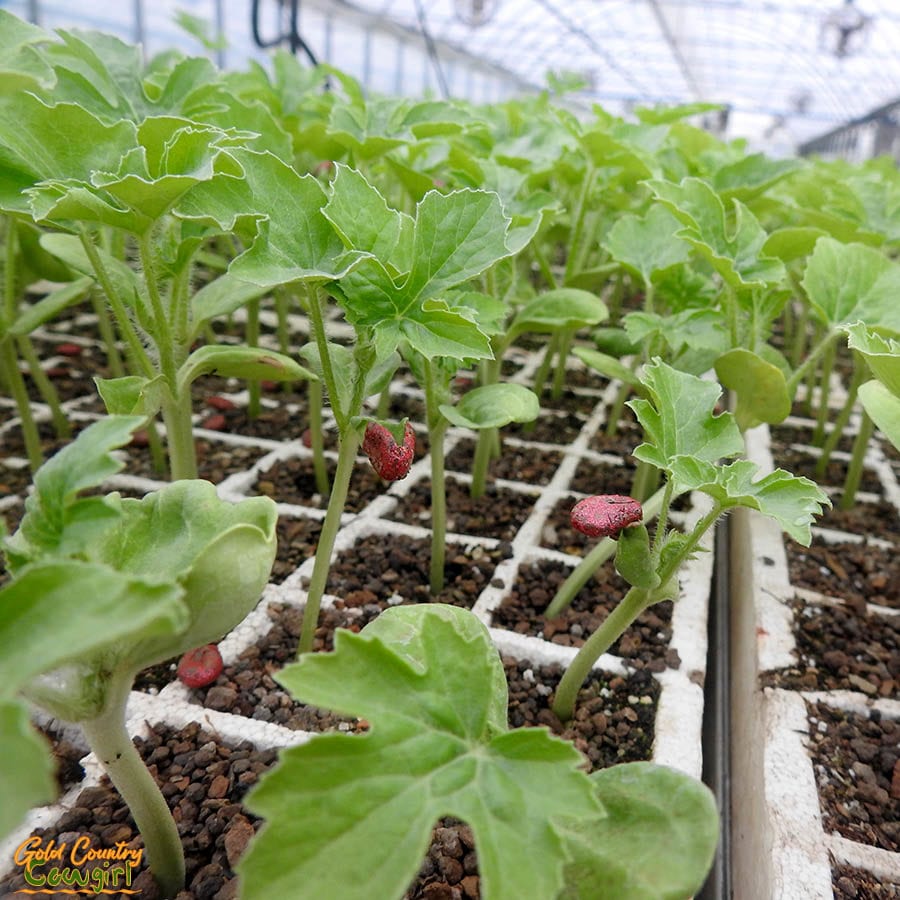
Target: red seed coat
[(605, 515), (389, 459), (201, 666)]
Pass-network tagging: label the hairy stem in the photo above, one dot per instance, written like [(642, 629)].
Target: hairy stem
[(347, 447), (317, 437), (112, 745), (10, 374), (45, 386)]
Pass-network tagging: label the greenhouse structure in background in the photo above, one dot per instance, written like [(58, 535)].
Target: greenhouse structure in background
[(792, 76)]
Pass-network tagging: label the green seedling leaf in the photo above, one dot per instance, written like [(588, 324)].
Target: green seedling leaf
[(608, 366), (131, 395), (50, 306), (752, 175), (790, 244), (56, 522), (657, 842), (634, 561), (695, 337), (92, 607), (733, 249), (240, 362), (293, 242), (882, 354), (27, 774), (663, 115), (456, 237), (346, 371), (679, 419), (365, 222), (791, 500), (847, 283), (489, 312), (220, 553), (562, 309), (615, 342), (883, 408), (647, 244), (430, 682), (760, 387), (21, 66), (221, 298), (493, 406)]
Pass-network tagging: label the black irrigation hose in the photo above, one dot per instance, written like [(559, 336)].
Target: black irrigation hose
[(292, 36), (717, 718)]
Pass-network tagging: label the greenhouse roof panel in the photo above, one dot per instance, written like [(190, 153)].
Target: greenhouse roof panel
[(796, 64)]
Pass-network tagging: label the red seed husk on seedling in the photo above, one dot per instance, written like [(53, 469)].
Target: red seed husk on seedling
[(306, 438), (69, 349), (269, 386), (605, 515), (215, 422), (201, 666), (220, 403), (389, 459)]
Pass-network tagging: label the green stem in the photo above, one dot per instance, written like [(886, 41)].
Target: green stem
[(828, 358), (855, 469), (317, 321), (602, 551), (615, 624), (646, 477), (840, 423), (544, 266), (111, 744), (282, 331), (559, 376), (481, 462), (162, 335), (810, 362), (176, 413), (253, 387), (437, 425), (317, 437), (543, 370), (45, 386), (9, 371), (578, 225), (104, 326), (347, 447), (123, 320)]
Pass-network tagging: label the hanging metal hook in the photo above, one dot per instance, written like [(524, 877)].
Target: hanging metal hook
[(291, 36)]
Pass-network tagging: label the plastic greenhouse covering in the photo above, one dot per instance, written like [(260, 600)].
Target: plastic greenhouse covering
[(784, 71)]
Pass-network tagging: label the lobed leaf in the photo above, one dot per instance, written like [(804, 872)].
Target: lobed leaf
[(647, 244), (358, 811)]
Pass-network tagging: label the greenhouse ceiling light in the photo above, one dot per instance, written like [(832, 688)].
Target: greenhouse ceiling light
[(475, 13)]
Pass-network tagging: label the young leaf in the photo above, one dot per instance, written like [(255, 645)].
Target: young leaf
[(791, 500), (131, 395), (240, 362), (26, 776), (358, 811), (564, 308), (647, 244), (680, 420), (883, 408), (493, 406), (882, 354), (657, 842), (760, 387), (851, 282)]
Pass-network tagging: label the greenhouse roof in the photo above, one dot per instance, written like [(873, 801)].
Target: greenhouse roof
[(787, 69)]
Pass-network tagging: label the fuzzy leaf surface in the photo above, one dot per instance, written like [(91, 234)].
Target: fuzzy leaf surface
[(657, 842), (760, 387), (493, 406), (647, 244), (881, 353), (358, 811), (847, 283), (679, 419), (790, 500), (563, 308), (883, 408)]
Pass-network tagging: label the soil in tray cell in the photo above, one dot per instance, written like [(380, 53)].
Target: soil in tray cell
[(13, 441), (379, 568), (603, 478), (645, 644), (783, 436), (280, 424), (499, 513), (216, 460), (548, 428), (527, 464), (855, 760), (855, 572), (842, 648), (293, 481), (203, 781), (570, 401), (857, 884), (876, 520), (627, 436), (297, 542)]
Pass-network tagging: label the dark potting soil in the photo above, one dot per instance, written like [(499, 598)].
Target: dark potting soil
[(203, 780), (548, 428), (856, 572), (297, 542), (799, 463), (570, 401), (857, 884), (857, 771), (557, 532), (628, 435), (878, 520), (593, 477), (14, 479), (842, 648), (375, 570), (515, 463), (498, 513), (14, 440), (644, 644), (216, 460), (293, 481), (782, 436)]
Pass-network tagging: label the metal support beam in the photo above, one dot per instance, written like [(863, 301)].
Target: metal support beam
[(675, 47)]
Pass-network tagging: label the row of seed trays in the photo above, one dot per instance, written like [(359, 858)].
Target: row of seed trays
[(361, 464)]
